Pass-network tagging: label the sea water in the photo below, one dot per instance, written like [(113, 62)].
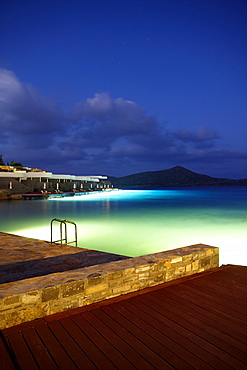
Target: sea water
[(138, 222)]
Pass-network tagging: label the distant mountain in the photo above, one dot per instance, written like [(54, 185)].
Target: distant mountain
[(174, 177)]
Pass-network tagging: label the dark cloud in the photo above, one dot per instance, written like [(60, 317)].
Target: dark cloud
[(124, 128), (123, 116), (98, 135), (27, 117), (200, 134), (117, 128)]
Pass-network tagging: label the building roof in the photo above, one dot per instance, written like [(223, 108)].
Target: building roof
[(25, 174)]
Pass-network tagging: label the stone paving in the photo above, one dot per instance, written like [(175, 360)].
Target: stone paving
[(24, 258)]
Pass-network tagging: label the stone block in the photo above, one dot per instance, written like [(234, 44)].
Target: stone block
[(163, 265), (151, 283), (144, 284), (142, 268), (188, 268), (195, 265), (113, 283), (8, 301), (50, 294), (159, 278), (170, 275), (100, 296), (144, 275), (180, 270), (94, 275), (2, 321), (31, 297), (154, 268), (135, 287), (95, 280), (130, 279), (209, 252), (62, 305), (95, 288), (70, 289), (114, 275), (215, 260), (167, 264), (205, 262), (122, 289), (187, 258), (26, 314), (176, 259), (129, 271)]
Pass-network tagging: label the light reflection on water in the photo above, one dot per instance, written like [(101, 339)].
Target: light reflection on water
[(137, 222)]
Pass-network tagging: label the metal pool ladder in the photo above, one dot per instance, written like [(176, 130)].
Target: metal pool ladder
[(65, 238)]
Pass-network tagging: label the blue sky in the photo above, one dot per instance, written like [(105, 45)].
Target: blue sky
[(119, 87)]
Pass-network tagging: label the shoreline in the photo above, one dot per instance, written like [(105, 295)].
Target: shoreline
[(6, 195)]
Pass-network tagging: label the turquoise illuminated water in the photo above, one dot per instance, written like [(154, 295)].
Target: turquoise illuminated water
[(138, 222)]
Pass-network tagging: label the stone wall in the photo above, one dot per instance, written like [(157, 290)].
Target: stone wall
[(41, 296), (4, 194)]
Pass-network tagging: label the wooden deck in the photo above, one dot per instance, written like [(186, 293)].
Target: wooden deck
[(198, 322)]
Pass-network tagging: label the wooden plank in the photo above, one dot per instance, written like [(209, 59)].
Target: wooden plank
[(160, 343), (202, 315), (21, 351), (133, 335), (75, 352), (6, 362), (213, 294), (206, 315), (238, 282), (214, 305), (209, 310), (233, 275), (92, 351), (210, 345), (238, 273), (185, 342), (205, 318), (62, 360), (226, 284), (130, 346), (38, 350), (113, 320), (99, 340), (183, 317), (239, 269), (20, 327)]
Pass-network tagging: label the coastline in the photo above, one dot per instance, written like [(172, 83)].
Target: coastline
[(7, 195)]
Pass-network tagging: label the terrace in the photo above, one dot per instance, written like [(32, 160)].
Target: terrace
[(67, 307)]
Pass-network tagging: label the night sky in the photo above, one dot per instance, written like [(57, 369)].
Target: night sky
[(117, 87)]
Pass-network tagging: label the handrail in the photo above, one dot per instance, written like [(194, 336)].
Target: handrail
[(65, 239)]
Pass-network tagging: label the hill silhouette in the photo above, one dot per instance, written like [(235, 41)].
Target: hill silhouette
[(174, 177)]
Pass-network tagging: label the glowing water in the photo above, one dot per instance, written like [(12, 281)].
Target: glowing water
[(137, 222)]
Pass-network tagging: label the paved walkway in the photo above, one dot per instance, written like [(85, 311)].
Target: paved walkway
[(23, 258)]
